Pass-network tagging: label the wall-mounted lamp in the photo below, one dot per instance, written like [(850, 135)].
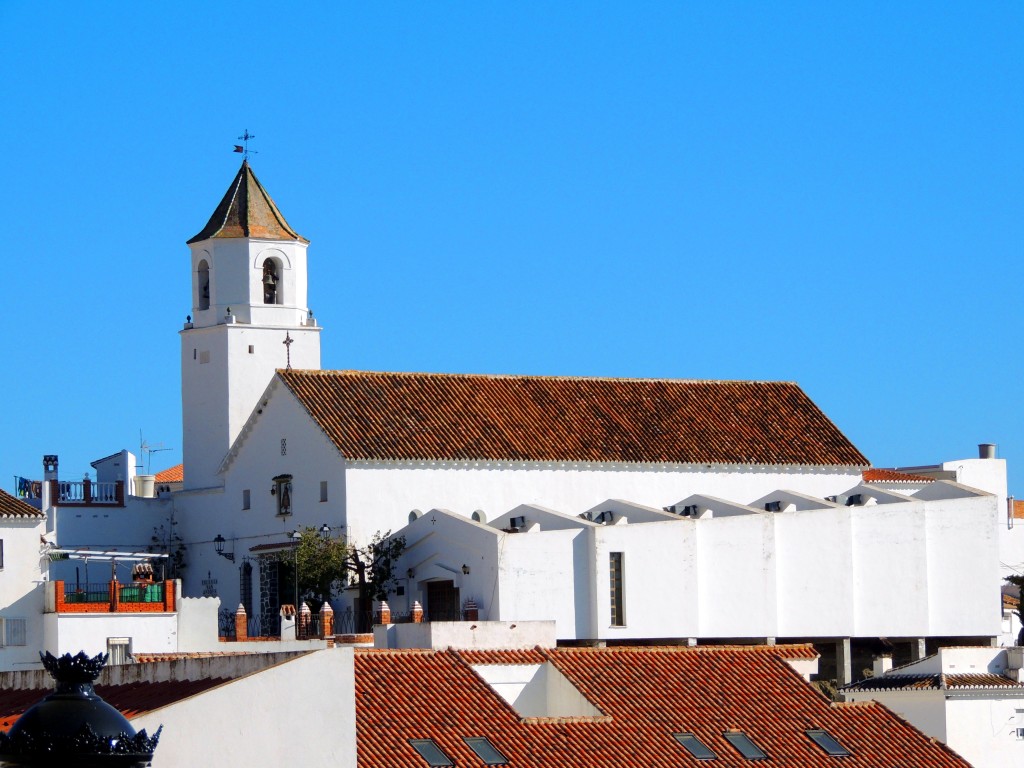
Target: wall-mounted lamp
[(465, 570), (325, 531), (218, 544), (410, 573), (273, 490)]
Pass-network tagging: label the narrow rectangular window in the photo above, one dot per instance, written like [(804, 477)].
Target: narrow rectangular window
[(617, 596), (323, 490), (245, 499), (251, 349), (1, 554)]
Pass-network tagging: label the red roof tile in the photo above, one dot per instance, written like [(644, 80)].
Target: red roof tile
[(246, 210), (645, 695), (530, 418), (175, 474), (12, 506), (932, 681), (892, 476), (1018, 509), (131, 699)]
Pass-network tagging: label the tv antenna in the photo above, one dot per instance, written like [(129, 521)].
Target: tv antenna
[(147, 450)]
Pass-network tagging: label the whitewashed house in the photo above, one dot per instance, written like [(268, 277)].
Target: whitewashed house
[(23, 567), (971, 699)]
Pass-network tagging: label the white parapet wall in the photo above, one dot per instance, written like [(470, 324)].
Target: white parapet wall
[(469, 635)]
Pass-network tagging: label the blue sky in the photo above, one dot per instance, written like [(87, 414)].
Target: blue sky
[(825, 193)]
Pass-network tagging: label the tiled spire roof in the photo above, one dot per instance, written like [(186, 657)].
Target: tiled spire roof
[(454, 417), (246, 210)]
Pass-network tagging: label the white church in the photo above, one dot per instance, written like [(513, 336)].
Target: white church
[(623, 510)]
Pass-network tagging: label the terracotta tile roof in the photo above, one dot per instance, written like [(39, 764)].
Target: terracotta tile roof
[(175, 474), (933, 682), (1018, 509), (530, 418), (1010, 602), (132, 699), (646, 695), (892, 476), (12, 506), (246, 210)]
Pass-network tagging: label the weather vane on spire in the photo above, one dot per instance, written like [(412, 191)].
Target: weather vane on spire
[(244, 147)]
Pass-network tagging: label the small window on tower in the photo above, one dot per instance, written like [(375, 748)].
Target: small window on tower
[(323, 490), (204, 357), (251, 349), (245, 499)]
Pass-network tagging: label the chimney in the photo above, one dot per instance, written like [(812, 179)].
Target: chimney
[(986, 450), (881, 665)]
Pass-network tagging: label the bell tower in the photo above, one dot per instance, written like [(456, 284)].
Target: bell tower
[(249, 318)]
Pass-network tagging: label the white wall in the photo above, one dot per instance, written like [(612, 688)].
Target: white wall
[(301, 712), (74, 632), (984, 730), (21, 587), (901, 569)]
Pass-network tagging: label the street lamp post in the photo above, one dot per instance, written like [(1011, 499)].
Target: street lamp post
[(296, 538)]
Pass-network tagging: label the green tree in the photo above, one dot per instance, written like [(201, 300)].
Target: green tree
[(327, 565)]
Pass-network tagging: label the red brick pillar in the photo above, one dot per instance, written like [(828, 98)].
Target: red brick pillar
[(87, 490), (241, 624), (115, 596), (119, 493), (58, 596), (384, 615), (169, 589), (470, 611), (305, 622), (326, 620), (417, 612)]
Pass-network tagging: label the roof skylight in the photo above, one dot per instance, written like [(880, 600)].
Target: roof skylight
[(826, 741), (485, 750), (697, 748), (744, 745), (430, 752)]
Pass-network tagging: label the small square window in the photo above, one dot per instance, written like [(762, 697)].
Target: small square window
[(827, 742), (119, 650), (246, 498), (695, 746), (745, 746), (430, 752), (323, 490), (486, 751)]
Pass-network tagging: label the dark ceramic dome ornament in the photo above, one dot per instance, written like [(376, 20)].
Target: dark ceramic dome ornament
[(73, 726)]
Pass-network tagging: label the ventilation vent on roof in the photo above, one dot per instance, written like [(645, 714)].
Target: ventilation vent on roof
[(831, 498), (773, 506), (479, 516), (517, 523), (691, 510), (855, 500)]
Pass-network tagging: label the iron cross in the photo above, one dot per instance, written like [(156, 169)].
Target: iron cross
[(244, 147), (288, 341)]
